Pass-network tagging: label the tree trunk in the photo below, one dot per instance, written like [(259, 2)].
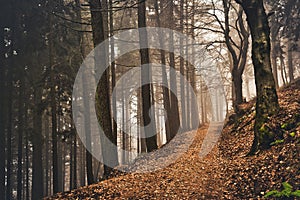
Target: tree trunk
[(146, 76), (188, 73), (142, 139), (274, 63), (113, 68), (74, 184), (267, 100), (87, 128), (37, 142), (2, 100), (166, 96), (20, 134), (53, 114), (9, 134), (82, 165), (238, 59), (123, 132), (109, 152), (27, 161), (194, 106), (47, 134), (290, 61), (182, 72), (173, 82), (282, 69)]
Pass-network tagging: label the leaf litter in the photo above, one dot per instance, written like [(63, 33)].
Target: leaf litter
[(225, 173)]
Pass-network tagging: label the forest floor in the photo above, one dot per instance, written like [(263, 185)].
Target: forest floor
[(225, 173)]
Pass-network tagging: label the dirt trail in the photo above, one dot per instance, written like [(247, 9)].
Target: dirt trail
[(223, 173), (189, 177)]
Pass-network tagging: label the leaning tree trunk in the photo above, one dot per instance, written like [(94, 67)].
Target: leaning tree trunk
[(267, 100)]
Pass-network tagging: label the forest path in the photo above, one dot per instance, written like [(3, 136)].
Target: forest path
[(225, 173), (189, 177)]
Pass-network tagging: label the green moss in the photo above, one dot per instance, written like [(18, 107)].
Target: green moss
[(286, 192), (277, 142), (262, 129)]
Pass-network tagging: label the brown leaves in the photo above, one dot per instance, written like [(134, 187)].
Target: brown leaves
[(225, 172)]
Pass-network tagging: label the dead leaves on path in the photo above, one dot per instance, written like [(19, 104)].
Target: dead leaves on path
[(225, 173)]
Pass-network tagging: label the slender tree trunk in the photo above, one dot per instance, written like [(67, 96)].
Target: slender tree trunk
[(9, 135), (142, 139), (274, 57), (87, 128), (63, 166), (127, 130), (109, 152), (113, 68), (166, 96), (71, 172), (194, 107), (146, 77), (27, 161), (82, 165), (123, 132), (290, 61), (37, 161), (2, 100), (75, 161), (53, 116), (182, 72), (238, 60), (173, 82), (282, 68), (47, 134), (267, 100), (188, 73), (20, 135)]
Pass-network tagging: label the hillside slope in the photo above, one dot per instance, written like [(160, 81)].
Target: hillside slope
[(226, 173)]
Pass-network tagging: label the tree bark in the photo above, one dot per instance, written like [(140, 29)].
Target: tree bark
[(173, 82), (267, 100), (290, 61), (113, 68), (238, 59), (37, 142), (53, 113), (47, 160), (194, 106), (74, 184), (4, 7), (166, 96), (146, 76), (274, 47), (20, 134), (109, 152), (274, 62), (182, 72)]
